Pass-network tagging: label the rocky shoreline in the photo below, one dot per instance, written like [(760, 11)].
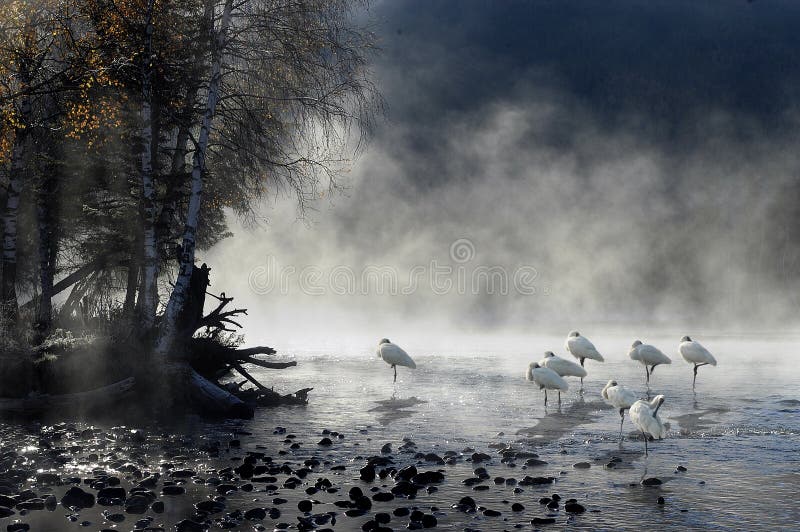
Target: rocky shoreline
[(70, 476)]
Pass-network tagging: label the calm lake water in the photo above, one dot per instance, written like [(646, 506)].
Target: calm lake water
[(738, 434)]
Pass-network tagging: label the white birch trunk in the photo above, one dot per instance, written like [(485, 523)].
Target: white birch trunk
[(10, 305), (180, 291)]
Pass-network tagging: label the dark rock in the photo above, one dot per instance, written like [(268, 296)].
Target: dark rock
[(305, 506), (652, 481), (492, 513), (401, 512), (416, 515), (543, 521), (661, 500), (681, 469), (428, 477), (18, 527), (367, 473), (6, 512), (574, 508), (157, 507), (325, 442), (173, 490), (256, 514), (382, 518), (363, 503), (112, 493), (428, 521), (582, 465), (355, 492), (386, 449), (480, 457), (189, 526), (383, 497), (545, 500), (517, 507), (50, 503), (533, 462), (77, 498), (553, 505), (406, 473), (555, 497)]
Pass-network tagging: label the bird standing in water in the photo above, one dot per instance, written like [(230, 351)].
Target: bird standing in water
[(694, 353), (394, 356), (581, 348)]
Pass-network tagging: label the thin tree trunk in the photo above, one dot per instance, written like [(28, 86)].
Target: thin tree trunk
[(48, 247), (10, 304), (149, 289), (180, 293)]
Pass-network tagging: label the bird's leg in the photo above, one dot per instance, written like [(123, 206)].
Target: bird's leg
[(582, 361), (545, 397), (645, 443), (621, 421), (696, 366), (647, 373), (394, 367), (559, 397)]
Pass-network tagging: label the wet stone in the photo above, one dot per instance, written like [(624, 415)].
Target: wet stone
[(574, 508), (401, 512), (517, 507), (543, 521), (652, 481), (582, 465), (75, 497)]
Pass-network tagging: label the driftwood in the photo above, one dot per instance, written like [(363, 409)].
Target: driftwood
[(80, 400)]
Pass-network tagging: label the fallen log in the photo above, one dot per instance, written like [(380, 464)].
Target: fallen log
[(35, 403)]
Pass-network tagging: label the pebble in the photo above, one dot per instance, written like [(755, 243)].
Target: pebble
[(652, 481)]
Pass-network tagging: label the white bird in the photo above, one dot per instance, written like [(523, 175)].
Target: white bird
[(581, 348), (394, 356), (562, 366), (644, 414), (649, 356), (546, 379), (619, 397), (694, 353)]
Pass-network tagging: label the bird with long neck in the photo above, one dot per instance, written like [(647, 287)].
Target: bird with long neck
[(546, 379), (394, 356), (620, 398), (581, 348), (644, 414), (649, 356), (694, 353)]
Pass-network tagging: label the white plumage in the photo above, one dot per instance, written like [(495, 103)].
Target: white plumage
[(546, 379), (649, 356), (581, 348), (394, 355), (694, 353), (620, 398), (644, 415), (562, 366)]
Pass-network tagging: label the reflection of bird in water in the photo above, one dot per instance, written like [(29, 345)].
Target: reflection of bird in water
[(644, 414), (581, 348), (546, 379), (562, 366), (394, 356), (694, 353), (620, 398), (649, 356)]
